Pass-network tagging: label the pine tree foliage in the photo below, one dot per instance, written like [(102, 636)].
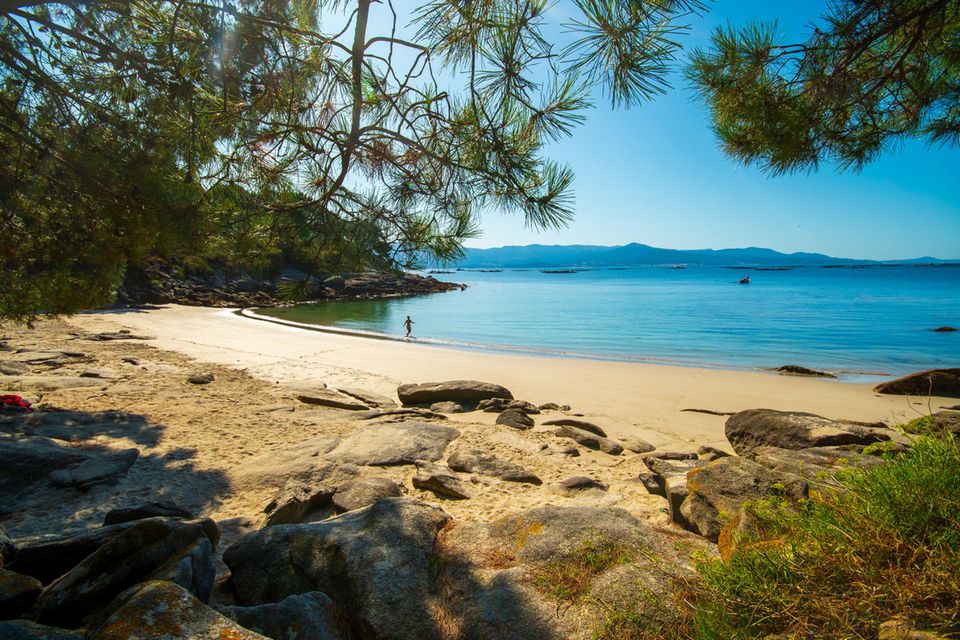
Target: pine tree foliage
[(872, 74), (294, 127)]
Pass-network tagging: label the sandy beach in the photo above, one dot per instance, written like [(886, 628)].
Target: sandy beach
[(221, 449), (211, 412), (630, 399)]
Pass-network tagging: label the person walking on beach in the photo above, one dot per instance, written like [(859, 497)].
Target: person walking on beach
[(409, 325)]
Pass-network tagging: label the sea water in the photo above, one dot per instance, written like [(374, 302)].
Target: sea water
[(855, 321)]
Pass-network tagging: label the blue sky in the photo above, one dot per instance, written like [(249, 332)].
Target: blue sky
[(655, 175)]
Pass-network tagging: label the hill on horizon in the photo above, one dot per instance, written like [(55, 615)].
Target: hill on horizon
[(636, 254)]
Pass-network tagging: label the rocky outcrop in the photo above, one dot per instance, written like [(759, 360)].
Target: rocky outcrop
[(172, 550), (589, 440), (635, 568), (161, 283), (375, 563), (935, 382), (793, 430), (717, 491), (463, 392), (308, 616), (477, 461), (160, 609)]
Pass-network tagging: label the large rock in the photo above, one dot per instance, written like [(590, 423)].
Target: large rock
[(26, 630), (719, 489), (547, 541), (17, 593), (150, 549), (394, 444), (374, 562), (793, 430), (97, 470), (463, 392), (477, 461), (589, 440), (936, 382), (308, 616), (274, 467), (162, 610)]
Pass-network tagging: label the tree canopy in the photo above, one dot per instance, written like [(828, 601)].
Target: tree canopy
[(330, 132), (872, 73)]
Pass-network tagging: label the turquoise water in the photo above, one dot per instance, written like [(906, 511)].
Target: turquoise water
[(873, 320)]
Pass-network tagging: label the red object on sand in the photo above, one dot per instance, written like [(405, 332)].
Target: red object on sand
[(11, 401)]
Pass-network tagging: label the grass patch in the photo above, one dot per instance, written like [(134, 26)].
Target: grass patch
[(569, 579), (885, 544)]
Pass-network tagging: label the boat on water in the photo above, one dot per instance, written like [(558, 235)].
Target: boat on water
[(745, 280)]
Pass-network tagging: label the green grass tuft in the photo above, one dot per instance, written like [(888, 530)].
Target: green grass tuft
[(569, 579), (885, 544)]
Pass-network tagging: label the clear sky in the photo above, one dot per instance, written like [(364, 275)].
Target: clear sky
[(655, 175)]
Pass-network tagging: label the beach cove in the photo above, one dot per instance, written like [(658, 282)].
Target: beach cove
[(176, 413), (639, 399)]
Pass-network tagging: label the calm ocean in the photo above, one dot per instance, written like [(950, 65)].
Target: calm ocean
[(850, 320)]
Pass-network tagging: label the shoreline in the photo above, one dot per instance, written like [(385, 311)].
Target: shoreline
[(630, 399), (472, 347)]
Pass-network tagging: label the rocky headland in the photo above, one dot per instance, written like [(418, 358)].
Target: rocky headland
[(160, 282)]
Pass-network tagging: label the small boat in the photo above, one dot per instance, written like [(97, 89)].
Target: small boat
[(745, 280)]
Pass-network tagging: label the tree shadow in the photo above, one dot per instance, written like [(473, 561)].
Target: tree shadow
[(80, 426), (43, 489)]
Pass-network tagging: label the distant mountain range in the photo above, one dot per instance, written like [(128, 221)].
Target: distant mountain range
[(635, 254)]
